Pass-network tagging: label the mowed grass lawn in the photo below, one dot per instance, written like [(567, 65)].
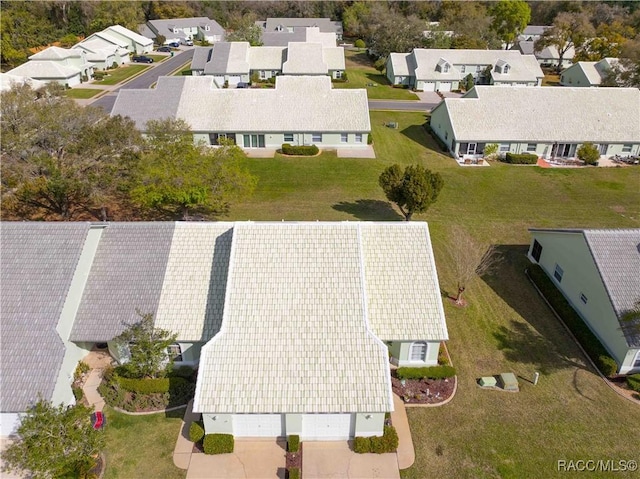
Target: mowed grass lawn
[(121, 74), (571, 414), (142, 446), (361, 74), (82, 93)]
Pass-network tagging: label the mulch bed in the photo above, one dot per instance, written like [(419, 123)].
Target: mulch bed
[(294, 459), (423, 391)]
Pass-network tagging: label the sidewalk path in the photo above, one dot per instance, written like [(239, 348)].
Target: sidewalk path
[(406, 453), (184, 447), (90, 389)]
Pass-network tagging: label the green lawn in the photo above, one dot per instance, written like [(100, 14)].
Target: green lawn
[(158, 58), (361, 74), (571, 413), (82, 93), (142, 446), (121, 74)]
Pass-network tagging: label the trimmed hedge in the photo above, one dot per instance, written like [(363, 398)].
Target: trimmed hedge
[(437, 139), (370, 139), (633, 382), (78, 393), (388, 442), (196, 432), (520, 158), (591, 344), (293, 443), (218, 444), (433, 372), (150, 386), (186, 372), (293, 473), (302, 150)]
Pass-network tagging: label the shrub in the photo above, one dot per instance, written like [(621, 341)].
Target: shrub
[(588, 153), (218, 444), (304, 150), (433, 372), (491, 150), (633, 382), (361, 445), (77, 393), (293, 443), (370, 139), (293, 473), (388, 442), (443, 146), (442, 356), (520, 158), (98, 75), (591, 344), (186, 372), (359, 43), (196, 432), (114, 65), (81, 368), (144, 386), (271, 80)]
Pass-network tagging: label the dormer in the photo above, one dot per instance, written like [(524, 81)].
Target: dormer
[(443, 66), (502, 67)]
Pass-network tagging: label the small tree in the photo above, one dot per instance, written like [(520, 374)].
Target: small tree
[(359, 43), (491, 151), (147, 348), (413, 190), (470, 258), (160, 39), (589, 153), (54, 441), (468, 82)]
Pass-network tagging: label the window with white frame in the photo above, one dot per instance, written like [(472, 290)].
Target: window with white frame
[(207, 28), (626, 148), (478, 68), (316, 137), (418, 352), (174, 351), (462, 68), (558, 272), (263, 75), (338, 74), (358, 137), (536, 251), (531, 147), (288, 137), (344, 137), (504, 147), (636, 363)]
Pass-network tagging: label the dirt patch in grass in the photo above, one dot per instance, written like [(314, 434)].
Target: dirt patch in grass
[(422, 391)]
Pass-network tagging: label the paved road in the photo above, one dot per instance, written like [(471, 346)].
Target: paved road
[(147, 79)]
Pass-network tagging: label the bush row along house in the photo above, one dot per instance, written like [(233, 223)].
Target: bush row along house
[(598, 273), (444, 70), (277, 32), (550, 122), (237, 62), (176, 30), (292, 324), (300, 110)]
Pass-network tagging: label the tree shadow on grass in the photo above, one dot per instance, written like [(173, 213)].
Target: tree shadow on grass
[(542, 341), (369, 210), (418, 134)]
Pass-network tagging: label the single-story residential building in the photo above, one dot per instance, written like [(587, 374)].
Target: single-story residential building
[(597, 271), (587, 74), (315, 303), (103, 54), (8, 81), (551, 122), (300, 110), (444, 70), (531, 33), (281, 31), (548, 56), (236, 62), (54, 64), (179, 29)]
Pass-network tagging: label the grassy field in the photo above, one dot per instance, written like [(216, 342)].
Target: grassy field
[(551, 79), (82, 93), (121, 73), (142, 446), (361, 74), (158, 58), (571, 414)]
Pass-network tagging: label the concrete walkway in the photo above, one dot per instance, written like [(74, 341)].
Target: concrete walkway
[(184, 447), (90, 389), (335, 459), (406, 452)]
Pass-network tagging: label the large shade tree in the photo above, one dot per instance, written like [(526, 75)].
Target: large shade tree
[(413, 189), (569, 30), (179, 178), (54, 441), (509, 19)]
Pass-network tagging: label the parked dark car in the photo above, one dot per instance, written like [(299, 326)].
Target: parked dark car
[(164, 49), (174, 45), (242, 85), (142, 59)]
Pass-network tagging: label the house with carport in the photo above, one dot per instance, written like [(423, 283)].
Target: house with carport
[(597, 271), (293, 325), (550, 122), (300, 110), (444, 70)]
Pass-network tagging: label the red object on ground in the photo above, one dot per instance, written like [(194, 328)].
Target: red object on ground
[(98, 420), (543, 164)]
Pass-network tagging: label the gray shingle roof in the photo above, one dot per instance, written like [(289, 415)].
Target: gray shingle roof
[(228, 58), (325, 24), (616, 254), (165, 27), (127, 275), (38, 263), (201, 55)]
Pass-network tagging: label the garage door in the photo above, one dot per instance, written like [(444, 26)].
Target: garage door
[(234, 79), (333, 427), (445, 86), (428, 86), (258, 425)]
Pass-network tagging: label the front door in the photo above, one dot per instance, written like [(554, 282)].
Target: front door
[(253, 141), (471, 148)]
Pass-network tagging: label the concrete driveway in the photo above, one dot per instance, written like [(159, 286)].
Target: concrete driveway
[(250, 460), (324, 460)]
